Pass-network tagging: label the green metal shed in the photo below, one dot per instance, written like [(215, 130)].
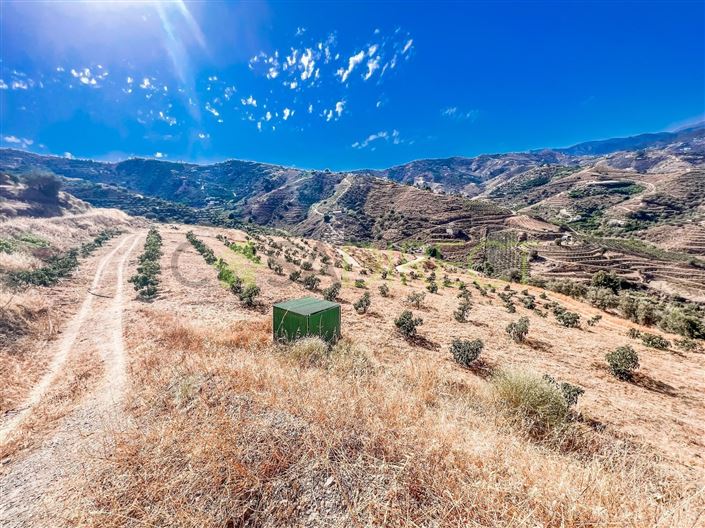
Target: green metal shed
[(306, 317)]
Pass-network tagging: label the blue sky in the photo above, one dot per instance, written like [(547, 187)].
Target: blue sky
[(342, 85)]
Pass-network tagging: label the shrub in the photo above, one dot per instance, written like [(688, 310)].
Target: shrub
[(634, 333), (622, 362), (602, 298), (385, 273), (568, 319), (306, 266), (236, 286), (594, 320), (146, 279), (363, 303), (466, 351), (461, 313), (407, 324), (687, 345), (271, 263), (655, 341), (384, 290), (294, 276), (278, 269), (249, 295), (311, 282), (570, 392), (531, 400), (359, 283), (432, 287), (529, 302), (416, 299), (331, 292), (518, 330)]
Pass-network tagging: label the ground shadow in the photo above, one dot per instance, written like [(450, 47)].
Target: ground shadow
[(424, 342), (647, 382), (537, 344), (482, 368)]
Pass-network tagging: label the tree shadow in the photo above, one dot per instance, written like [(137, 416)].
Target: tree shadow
[(537, 344), (482, 368), (647, 382), (424, 342)]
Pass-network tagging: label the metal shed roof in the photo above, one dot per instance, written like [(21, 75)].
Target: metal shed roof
[(306, 305)]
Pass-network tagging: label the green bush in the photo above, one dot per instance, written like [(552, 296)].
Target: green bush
[(331, 292), (461, 313), (311, 282), (359, 283), (570, 392), (655, 341), (531, 400), (407, 324), (518, 330), (432, 287), (363, 303), (146, 279), (384, 290), (466, 351), (622, 362), (594, 320), (634, 333), (568, 319), (416, 299), (306, 266), (294, 276), (249, 295)]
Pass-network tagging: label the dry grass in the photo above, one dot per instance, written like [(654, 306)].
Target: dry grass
[(243, 436)]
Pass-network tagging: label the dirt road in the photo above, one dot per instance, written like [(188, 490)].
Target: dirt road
[(30, 484)]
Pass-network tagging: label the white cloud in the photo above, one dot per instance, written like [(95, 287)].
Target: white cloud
[(310, 109), (3, 86), (68, 155), (268, 116), (287, 113), (372, 65), (213, 78), (293, 85), (352, 62), (19, 84), (300, 31), (307, 64), (251, 101), (339, 107), (130, 80), (19, 141), (159, 155), (259, 126), (145, 83), (203, 135), (209, 108), (407, 46), (452, 112), (382, 135)]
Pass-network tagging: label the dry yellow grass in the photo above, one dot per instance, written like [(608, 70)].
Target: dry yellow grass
[(228, 430)]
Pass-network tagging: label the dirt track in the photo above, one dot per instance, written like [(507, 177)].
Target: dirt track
[(29, 484)]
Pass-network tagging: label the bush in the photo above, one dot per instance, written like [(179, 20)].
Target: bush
[(461, 313), (622, 362), (432, 287), (570, 392), (363, 303), (594, 320), (655, 341), (531, 400), (294, 276), (416, 299), (634, 333), (205, 251), (331, 292), (602, 298), (518, 330), (359, 283), (384, 290), (306, 266), (568, 319), (466, 351), (249, 295), (236, 286), (311, 282), (407, 324), (146, 279), (278, 269), (687, 345)]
